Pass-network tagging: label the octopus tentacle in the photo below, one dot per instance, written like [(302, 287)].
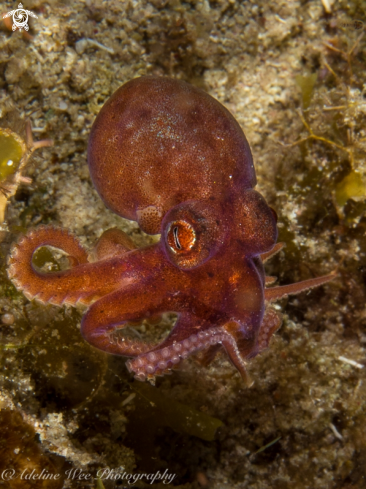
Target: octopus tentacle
[(135, 303), (114, 311), (179, 345), (172, 349), (236, 358), (277, 247), (160, 361), (269, 280), (276, 293), (51, 236), (112, 243), (82, 283), (271, 323)]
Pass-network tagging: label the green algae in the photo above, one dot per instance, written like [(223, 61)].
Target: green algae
[(11, 152), (353, 185), (306, 84), (99, 483)]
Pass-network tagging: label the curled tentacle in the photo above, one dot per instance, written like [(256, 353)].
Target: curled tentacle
[(83, 283)]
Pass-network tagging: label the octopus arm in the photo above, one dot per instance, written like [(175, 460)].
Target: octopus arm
[(276, 293), (188, 336), (114, 311), (83, 283), (277, 248)]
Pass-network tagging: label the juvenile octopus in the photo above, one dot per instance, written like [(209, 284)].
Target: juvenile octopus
[(169, 156)]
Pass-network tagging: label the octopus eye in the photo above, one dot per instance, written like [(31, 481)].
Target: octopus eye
[(176, 238), (192, 232), (181, 236)]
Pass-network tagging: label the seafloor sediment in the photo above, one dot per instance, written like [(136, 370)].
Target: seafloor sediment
[(293, 75)]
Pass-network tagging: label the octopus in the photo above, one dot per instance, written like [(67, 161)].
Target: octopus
[(172, 158)]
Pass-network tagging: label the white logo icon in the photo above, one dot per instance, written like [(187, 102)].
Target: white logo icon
[(20, 17)]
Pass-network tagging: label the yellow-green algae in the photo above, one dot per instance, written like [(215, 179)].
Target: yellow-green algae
[(306, 84), (352, 186), (12, 149)]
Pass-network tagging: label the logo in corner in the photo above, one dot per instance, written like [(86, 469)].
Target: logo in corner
[(20, 18)]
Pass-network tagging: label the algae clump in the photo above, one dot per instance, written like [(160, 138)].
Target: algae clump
[(306, 84), (352, 186), (12, 149)]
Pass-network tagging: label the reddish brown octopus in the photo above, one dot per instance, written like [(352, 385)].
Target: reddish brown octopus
[(169, 156)]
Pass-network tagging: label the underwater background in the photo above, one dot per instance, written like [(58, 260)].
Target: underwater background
[(293, 74)]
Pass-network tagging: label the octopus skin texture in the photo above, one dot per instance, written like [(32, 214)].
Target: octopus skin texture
[(171, 157)]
